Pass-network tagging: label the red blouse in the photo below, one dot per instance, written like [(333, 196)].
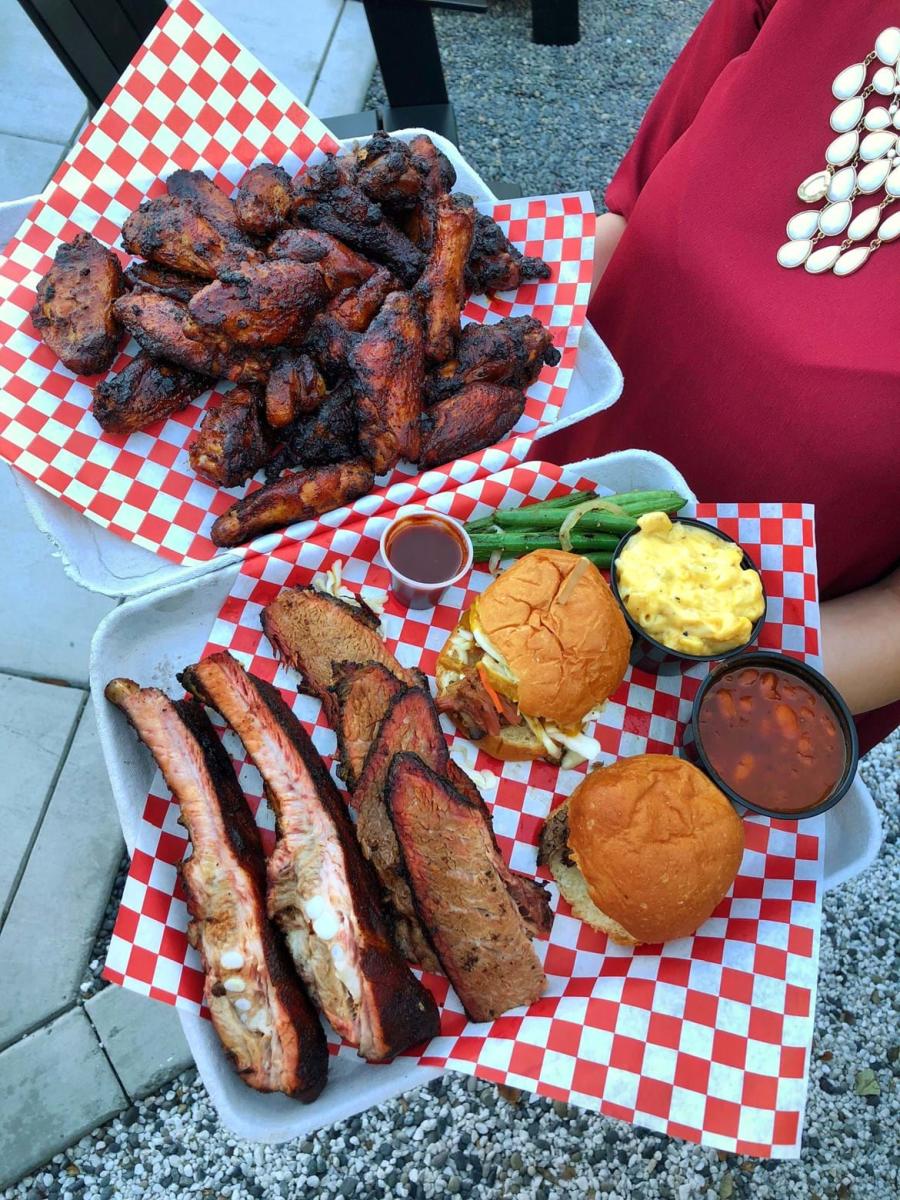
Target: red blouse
[(759, 383)]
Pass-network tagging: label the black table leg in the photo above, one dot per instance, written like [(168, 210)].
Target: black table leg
[(407, 50), (554, 22)]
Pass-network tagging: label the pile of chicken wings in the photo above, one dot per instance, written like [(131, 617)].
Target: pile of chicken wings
[(332, 301)]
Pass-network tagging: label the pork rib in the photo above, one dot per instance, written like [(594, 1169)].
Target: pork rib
[(453, 870), (258, 1007), (321, 892), (312, 631)]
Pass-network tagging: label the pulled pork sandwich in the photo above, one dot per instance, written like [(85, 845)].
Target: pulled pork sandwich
[(645, 849), (537, 652)]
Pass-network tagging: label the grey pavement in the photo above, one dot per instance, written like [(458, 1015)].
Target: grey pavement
[(72, 1051)]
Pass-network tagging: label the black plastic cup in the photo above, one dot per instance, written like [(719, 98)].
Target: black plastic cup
[(692, 742), (647, 654)]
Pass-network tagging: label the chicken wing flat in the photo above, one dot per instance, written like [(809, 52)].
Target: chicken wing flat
[(495, 265), (386, 171), (441, 287), (146, 391), (233, 442), (263, 304), (388, 368), (294, 388), (325, 200), (477, 416), (326, 436), (73, 309), (175, 233), (438, 176), (160, 326), (264, 200), (199, 191), (511, 351), (147, 277), (294, 497), (342, 267), (258, 1007)]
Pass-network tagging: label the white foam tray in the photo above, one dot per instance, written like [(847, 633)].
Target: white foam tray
[(104, 562), (151, 638)]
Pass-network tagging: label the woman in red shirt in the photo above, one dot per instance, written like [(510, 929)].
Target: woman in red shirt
[(762, 382)]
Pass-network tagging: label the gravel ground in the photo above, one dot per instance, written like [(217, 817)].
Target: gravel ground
[(459, 1136), (564, 120), (556, 118)]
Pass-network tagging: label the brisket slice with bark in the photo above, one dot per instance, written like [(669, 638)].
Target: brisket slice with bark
[(453, 869), (258, 1007), (313, 631), (362, 693), (321, 891)]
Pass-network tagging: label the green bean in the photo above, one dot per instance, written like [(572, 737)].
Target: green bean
[(513, 543), (600, 558)]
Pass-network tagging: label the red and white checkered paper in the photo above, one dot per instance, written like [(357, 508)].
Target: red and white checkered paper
[(194, 98), (706, 1038)]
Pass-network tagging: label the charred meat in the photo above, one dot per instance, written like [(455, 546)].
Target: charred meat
[(233, 442), (296, 496), (294, 388), (267, 304), (342, 267), (452, 866), (320, 890), (441, 287), (495, 265), (330, 337), (475, 417), (388, 366), (74, 307), (201, 193), (438, 177), (146, 391), (176, 233), (264, 200), (259, 1009), (386, 172), (148, 277), (325, 436), (512, 351), (165, 329)]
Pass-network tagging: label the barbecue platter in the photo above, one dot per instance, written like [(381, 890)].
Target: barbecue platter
[(331, 302)]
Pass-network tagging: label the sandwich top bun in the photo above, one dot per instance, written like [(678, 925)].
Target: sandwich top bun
[(556, 623), (644, 849)]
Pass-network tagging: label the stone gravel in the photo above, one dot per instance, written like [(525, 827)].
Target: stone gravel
[(550, 119), (462, 1137)]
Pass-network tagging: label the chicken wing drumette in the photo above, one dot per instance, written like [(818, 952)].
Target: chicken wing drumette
[(146, 391), (264, 200), (495, 265), (165, 329), (233, 442), (386, 171), (511, 351), (327, 201), (261, 304), (441, 287), (294, 388), (73, 309)]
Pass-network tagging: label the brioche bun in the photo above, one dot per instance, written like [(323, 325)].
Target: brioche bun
[(644, 849)]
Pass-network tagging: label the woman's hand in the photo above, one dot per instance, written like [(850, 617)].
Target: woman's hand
[(861, 644), (610, 227)]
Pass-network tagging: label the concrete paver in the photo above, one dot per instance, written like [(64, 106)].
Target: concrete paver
[(63, 892), (25, 164), (55, 1085), (34, 729), (40, 100), (142, 1039), (48, 621), (347, 70)]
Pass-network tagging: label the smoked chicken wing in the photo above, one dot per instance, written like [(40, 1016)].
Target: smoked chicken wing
[(495, 265), (233, 443), (148, 277), (264, 200), (342, 267), (438, 177), (146, 391), (325, 436), (477, 416), (294, 387), (164, 328), (294, 497), (441, 287), (73, 310), (201, 192), (176, 233), (388, 364), (259, 305), (330, 336), (511, 351), (327, 201), (386, 172)]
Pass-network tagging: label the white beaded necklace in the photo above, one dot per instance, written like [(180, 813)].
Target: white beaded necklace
[(862, 160)]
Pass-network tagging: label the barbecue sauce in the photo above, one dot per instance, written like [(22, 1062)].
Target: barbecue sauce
[(425, 549)]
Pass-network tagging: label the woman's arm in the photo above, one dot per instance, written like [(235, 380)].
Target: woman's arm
[(610, 227), (861, 644)]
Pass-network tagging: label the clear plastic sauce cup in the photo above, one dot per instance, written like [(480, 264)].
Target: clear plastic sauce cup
[(425, 552)]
